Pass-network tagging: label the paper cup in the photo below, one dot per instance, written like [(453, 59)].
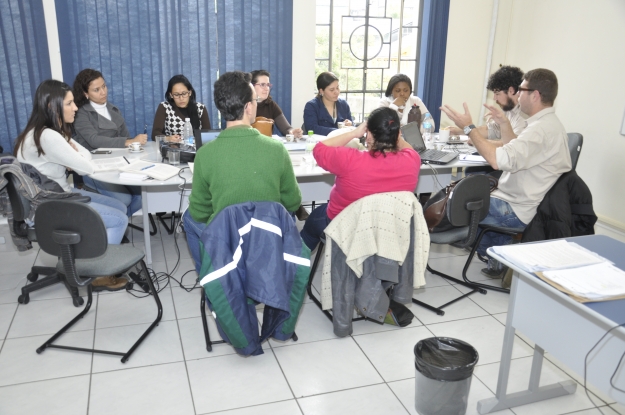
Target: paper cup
[(290, 137)]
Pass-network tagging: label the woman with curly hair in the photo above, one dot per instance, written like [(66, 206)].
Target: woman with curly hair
[(389, 165), (398, 97)]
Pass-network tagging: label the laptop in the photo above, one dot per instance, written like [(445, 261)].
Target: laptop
[(412, 135), (204, 136)]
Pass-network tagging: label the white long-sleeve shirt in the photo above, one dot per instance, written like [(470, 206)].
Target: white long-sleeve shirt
[(59, 156), (403, 116)]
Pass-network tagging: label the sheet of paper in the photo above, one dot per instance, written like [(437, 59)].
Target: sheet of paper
[(595, 282), (109, 164), (190, 164), (158, 171), (471, 158), (548, 255)]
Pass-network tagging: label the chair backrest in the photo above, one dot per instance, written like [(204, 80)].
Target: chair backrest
[(64, 216), (576, 140), (471, 194)]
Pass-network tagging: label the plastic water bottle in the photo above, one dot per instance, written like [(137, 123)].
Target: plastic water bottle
[(310, 145), (187, 133), (428, 128)]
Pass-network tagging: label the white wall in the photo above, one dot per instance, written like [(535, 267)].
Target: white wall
[(582, 42)]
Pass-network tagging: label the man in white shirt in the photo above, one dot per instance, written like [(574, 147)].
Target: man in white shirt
[(531, 163), (504, 84)]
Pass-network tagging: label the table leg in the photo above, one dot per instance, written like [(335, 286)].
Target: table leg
[(534, 393), (146, 225)]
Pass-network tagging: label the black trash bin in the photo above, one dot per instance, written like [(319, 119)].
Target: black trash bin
[(443, 377)]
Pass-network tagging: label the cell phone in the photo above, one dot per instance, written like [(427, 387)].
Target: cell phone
[(101, 151)]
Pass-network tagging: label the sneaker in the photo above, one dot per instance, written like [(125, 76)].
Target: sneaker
[(495, 269), (301, 213), (110, 283)]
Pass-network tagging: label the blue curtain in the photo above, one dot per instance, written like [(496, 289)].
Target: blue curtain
[(24, 63), (433, 50), (255, 34), (138, 46)]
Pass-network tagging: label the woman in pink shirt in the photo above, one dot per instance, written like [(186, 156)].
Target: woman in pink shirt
[(389, 165)]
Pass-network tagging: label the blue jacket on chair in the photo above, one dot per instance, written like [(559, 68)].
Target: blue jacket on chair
[(252, 253)]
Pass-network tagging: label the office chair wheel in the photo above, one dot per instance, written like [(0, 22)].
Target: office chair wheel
[(23, 299), (32, 277), (78, 301)]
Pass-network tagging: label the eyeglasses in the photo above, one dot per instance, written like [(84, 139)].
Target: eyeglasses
[(263, 85), (527, 89), (181, 95)]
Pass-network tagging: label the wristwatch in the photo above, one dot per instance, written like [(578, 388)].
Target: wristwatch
[(468, 129)]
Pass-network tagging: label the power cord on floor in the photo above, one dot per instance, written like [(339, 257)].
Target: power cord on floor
[(162, 279)]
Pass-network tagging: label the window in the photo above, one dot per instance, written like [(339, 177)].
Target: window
[(365, 43)]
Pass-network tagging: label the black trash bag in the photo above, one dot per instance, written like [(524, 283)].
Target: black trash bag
[(444, 358), (443, 379)]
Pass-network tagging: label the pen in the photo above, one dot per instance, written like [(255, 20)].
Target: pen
[(126, 160), (147, 167)]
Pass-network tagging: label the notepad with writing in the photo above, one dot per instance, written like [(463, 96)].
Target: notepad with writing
[(109, 164), (157, 171)]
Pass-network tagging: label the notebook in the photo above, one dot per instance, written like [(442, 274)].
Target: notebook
[(412, 135)]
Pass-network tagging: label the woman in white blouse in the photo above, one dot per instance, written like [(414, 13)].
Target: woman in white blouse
[(398, 96)]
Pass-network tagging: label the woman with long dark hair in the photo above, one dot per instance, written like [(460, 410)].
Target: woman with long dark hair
[(46, 144), (389, 165), (323, 113), (179, 104), (101, 124)]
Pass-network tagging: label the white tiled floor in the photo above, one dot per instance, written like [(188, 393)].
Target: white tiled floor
[(370, 372)]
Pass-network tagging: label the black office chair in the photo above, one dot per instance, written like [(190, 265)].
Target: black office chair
[(21, 209), (75, 233), (575, 143), (466, 207)]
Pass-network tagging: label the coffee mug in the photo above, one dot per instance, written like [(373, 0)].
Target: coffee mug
[(289, 137), (340, 124), (135, 146), (443, 135)]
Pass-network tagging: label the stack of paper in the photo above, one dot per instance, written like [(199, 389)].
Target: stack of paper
[(157, 171), (599, 282), (133, 176), (469, 158), (550, 255)]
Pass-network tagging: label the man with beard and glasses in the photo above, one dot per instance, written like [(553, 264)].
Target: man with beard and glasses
[(504, 83)]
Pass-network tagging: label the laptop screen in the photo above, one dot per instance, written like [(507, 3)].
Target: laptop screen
[(204, 136), (412, 135)]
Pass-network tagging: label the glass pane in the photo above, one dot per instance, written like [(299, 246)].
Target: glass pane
[(411, 12), (377, 8), (321, 66), (357, 7), (354, 81), (374, 80), (372, 101), (355, 105), (323, 42), (409, 46), (393, 9), (323, 12), (348, 59), (408, 68)]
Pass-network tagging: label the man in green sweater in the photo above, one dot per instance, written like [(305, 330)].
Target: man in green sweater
[(240, 165)]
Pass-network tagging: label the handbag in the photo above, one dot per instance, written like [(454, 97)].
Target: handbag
[(435, 209), (264, 126), (414, 115)]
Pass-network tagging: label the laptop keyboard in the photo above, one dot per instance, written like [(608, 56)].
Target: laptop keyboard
[(433, 154)]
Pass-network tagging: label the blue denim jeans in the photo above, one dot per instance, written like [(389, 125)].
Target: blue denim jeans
[(314, 226), (113, 213), (193, 230), (499, 214), (130, 196)]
